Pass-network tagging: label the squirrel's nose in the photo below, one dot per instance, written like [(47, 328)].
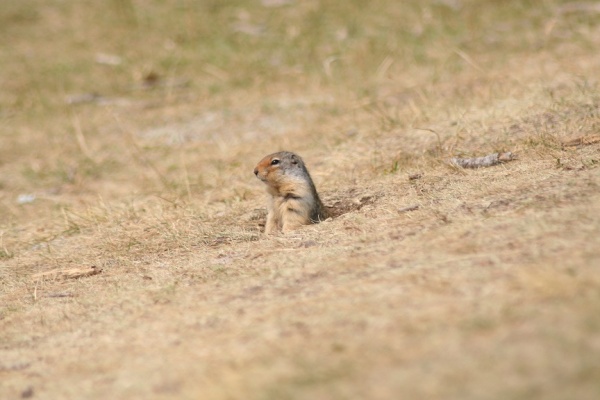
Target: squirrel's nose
[(256, 171)]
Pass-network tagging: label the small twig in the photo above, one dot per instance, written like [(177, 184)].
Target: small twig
[(186, 176), (468, 59), (71, 273), (83, 146), (59, 295), (83, 98), (481, 162), (327, 65), (384, 66), (584, 140), (409, 208)]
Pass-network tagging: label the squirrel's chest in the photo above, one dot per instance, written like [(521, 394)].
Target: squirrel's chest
[(290, 203)]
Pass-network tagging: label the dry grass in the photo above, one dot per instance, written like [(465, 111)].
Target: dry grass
[(451, 284)]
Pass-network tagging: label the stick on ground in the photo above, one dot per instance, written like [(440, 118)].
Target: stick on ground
[(71, 273), (480, 162)]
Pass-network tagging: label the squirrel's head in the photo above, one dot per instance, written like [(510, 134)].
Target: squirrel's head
[(275, 168)]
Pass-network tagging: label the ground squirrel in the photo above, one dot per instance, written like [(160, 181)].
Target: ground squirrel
[(293, 199)]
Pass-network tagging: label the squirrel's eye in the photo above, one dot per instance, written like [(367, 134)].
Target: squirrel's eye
[(275, 162)]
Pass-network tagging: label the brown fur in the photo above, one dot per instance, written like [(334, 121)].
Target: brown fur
[(293, 199)]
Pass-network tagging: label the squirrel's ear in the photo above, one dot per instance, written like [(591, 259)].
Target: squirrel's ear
[(294, 159)]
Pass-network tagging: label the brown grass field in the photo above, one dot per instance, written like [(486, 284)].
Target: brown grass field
[(132, 263)]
